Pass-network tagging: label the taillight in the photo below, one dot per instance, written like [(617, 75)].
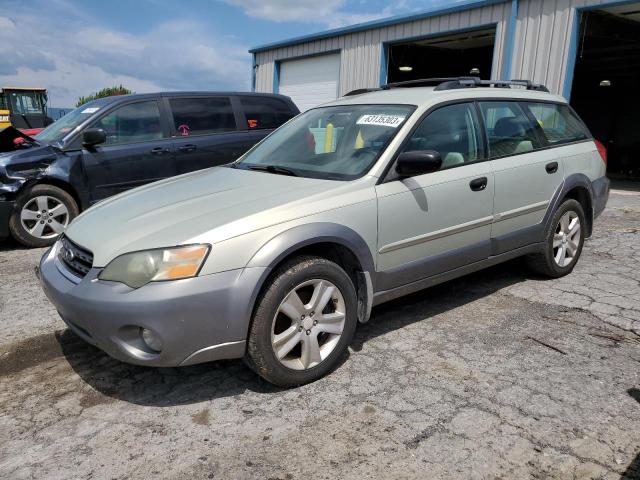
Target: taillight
[(602, 150)]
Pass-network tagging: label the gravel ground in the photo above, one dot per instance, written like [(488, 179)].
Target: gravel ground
[(496, 375)]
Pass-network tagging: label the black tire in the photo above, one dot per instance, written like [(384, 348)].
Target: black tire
[(260, 355), (544, 262), (17, 229)]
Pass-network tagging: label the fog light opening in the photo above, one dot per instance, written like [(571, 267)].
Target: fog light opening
[(151, 340)]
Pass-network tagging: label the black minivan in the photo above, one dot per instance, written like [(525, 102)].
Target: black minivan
[(116, 143)]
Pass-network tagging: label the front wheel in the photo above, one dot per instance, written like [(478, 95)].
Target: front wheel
[(41, 215), (303, 322), (563, 241)]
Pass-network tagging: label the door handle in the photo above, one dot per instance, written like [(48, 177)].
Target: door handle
[(478, 184), (190, 147), (551, 167), (159, 150)]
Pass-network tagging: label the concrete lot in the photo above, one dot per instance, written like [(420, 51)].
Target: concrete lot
[(496, 375)]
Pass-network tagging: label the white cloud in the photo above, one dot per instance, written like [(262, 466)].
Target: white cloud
[(328, 12), (83, 58)]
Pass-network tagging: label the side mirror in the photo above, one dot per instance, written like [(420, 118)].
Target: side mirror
[(410, 164), (93, 136)]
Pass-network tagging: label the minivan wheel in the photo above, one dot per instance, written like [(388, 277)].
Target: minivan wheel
[(303, 323), (41, 214), (563, 241)]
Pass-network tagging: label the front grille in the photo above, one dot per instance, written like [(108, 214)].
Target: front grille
[(77, 260)]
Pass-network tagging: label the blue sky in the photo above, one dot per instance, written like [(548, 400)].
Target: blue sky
[(75, 47)]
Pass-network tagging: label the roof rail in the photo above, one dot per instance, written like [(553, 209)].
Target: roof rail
[(452, 83), (360, 91)]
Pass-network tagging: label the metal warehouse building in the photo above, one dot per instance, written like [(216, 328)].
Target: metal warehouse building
[(586, 50)]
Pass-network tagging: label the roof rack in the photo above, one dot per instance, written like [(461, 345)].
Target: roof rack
[(452, 83)]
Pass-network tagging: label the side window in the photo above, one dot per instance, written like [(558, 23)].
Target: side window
[(452, 131), (509, 130), (197, 116), (136, 122), (265, 112), (558, 122)]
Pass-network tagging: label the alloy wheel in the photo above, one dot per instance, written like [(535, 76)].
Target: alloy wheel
[(44, 217), (566, 239), (308, 324)]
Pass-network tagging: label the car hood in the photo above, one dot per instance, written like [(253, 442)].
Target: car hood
[(220, 202)]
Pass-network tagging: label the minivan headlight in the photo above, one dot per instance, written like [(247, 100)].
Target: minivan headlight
[(139, 268)]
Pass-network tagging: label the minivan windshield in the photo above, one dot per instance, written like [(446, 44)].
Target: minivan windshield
[(61, 128), (338, 143)]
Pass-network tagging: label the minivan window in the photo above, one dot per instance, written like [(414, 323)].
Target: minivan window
[(135, 122), (197, 116), (509, 130), (265, 112), (451, 131), (558, 122), (337, 143)]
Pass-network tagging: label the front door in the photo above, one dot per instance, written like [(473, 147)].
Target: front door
[(439, 221), (136, 151)]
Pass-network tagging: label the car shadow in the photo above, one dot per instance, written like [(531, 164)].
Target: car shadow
[(192, 384), (633, 470)]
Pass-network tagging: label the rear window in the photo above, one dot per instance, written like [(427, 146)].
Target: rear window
[(559, 123), (509, 130), (265, 112), (197, 116)]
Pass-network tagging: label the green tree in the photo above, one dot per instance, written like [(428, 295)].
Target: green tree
[(105, 92)]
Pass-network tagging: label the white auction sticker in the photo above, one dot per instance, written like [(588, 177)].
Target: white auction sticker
[(382, 120), (90, 110)]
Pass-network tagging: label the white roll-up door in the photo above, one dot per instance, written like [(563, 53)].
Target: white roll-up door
[(310, 81)]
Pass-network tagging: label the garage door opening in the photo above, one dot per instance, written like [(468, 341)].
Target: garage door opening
[(461, 54), (605, 84)]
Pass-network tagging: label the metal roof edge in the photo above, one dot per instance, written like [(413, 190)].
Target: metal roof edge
[(383, 22)]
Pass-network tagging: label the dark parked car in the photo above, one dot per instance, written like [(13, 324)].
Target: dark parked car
[(113, 144)]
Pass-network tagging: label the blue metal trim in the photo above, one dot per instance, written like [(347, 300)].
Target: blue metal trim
[(253, 72), (377, 24), (384, 61), (511, 41), (575, 34), (276, 76)]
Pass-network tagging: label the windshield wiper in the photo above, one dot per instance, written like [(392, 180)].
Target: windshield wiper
[(273, 169)]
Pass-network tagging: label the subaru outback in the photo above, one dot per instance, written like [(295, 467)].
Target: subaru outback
[(278, 256)]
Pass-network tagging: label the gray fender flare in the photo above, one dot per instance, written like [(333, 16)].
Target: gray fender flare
[(571, 182), (287, 242)]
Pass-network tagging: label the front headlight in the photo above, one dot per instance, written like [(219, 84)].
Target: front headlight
[(139, 268)]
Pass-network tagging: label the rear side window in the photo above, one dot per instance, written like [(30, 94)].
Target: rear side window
[(558, 122), (509, 130), (197, 116), (265, 112)]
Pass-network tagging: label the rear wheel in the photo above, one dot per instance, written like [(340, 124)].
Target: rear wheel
[(41, 215), (303, 323), (563, 241)]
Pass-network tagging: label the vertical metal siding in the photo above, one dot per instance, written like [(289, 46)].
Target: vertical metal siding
[(543, 37), (361, 51)]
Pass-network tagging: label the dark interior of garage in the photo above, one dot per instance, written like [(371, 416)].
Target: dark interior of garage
[(463, 54), (606, 85)]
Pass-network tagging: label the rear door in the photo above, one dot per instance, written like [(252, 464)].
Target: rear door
[(205, 131), (527, 174), (138, 150)]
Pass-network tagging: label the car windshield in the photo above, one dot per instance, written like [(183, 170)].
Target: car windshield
[(61, 128), (338, 143)]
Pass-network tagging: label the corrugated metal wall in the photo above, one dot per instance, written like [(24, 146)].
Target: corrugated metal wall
[(361, 51), (543, 38)]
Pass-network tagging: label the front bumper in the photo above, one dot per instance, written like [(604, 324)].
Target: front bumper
[(197, 319), (6, 210)]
